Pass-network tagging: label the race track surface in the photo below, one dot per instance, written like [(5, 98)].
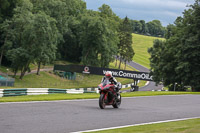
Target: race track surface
[(152, 85), (80, 115)]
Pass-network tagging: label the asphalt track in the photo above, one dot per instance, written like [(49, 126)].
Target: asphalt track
[(152, 85), (81, 115)]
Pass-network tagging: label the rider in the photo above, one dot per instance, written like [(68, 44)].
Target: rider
[(111, 79)]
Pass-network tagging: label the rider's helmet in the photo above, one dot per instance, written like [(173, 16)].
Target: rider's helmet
[(108, 74)]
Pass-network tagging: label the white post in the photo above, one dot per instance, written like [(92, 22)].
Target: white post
[(7, 77), (175, 86)]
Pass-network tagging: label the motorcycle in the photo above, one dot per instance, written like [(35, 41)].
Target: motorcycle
[(108, 95)]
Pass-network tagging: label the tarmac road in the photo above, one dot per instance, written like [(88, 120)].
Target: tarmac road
[(152, 85), (80, 115)]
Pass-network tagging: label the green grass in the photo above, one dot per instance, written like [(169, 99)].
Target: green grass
[(52, 97), (49, 80), (3, 69), (140, 45), (49, 97), (186, 126)]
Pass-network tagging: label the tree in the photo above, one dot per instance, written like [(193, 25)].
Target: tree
[(112, 20), (144, 29), (125, 43), (177, 60), (71, 49), (5, 36), (33, 38), (66, 13), (18, 25), (169, 31), (136, 26), (189, 47), (21, 59), (155, 28), (6, 9), (98, 41), (106, 11), (42, 35), (162, 62), (6, 12)]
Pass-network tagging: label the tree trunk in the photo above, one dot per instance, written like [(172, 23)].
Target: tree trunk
[(23, 71), (120, 61), (1, 57), (116, 62), (15, 73), (125, 65), (38, 70), (22, 74)]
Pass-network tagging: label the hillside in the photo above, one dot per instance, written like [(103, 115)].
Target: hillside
[(140, 45)]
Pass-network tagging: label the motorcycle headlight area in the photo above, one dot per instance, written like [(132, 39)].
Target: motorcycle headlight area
[(99, 88)]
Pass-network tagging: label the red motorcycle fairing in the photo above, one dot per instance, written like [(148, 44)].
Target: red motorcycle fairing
[(106, 90), (108, 95)]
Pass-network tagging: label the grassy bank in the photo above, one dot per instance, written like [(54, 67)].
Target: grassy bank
[(140, 45), (52, 97), (186, 126), (49, 80)]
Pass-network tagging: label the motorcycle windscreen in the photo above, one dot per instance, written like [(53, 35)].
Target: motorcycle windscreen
[(106, 82)]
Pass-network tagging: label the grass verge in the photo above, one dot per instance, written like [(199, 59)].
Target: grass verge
[(53, 97), (186, 126), (140, 45)]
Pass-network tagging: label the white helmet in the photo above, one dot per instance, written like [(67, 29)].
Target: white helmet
[(108, 74)]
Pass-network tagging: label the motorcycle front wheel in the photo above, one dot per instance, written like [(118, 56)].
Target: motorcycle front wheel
[(102, 103), (117, 103)]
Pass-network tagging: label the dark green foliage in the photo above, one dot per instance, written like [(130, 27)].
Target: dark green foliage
[(6, 9), (6, 12), (125, 50), (41, 30), (99, 41), (153, 28), (106, 11), (70, 49), (33, 38), (177, 61)]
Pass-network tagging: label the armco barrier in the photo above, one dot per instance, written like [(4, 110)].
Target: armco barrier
[(14, 92), (1, 93), (39, 91), (57, 91)]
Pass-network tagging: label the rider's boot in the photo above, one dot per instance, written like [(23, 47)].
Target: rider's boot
[(118, 96)]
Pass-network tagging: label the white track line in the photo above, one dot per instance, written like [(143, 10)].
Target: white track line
[(102, 129)]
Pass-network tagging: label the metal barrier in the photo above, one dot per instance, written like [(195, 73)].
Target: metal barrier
[(14, 92), (39, 91)]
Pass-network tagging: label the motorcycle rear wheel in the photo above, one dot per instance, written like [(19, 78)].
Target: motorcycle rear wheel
[(102, 103)]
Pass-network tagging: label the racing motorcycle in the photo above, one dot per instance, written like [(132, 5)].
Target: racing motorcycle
[(108, 95)]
